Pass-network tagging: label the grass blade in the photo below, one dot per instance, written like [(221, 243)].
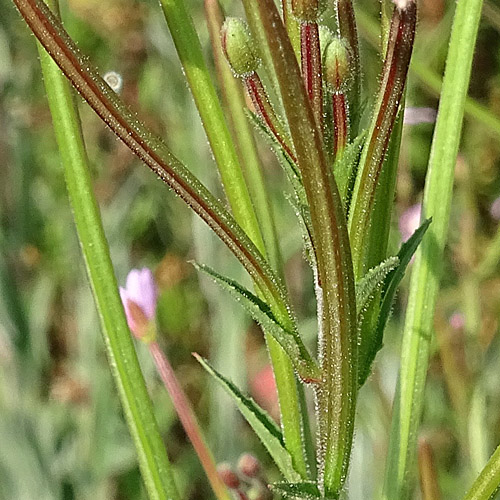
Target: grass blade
[(120, 349), (427, 269)]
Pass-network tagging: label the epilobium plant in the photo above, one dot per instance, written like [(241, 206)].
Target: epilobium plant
[(341, 159)]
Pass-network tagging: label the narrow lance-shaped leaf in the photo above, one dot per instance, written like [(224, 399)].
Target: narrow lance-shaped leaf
[(397, 60), (373, 281), (290, 341), (336, 295), (391, 284), (265, 428), (149, 148)]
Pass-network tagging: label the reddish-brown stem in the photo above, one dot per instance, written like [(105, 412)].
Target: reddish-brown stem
[(188, 419), (346, 22), (396, 64), (340, 123), (265, 111), (311, 68)]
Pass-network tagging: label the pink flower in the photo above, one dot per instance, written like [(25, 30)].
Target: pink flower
[(410, 221), (139, 298)]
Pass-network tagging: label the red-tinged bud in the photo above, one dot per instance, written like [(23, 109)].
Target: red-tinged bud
[(248, 465), (308, 11), (239, 47), (228, 476), (336, 66)]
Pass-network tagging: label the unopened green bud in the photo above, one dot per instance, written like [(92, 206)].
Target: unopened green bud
[(239, 47), (308, 11), (336, 66), (326, 36)]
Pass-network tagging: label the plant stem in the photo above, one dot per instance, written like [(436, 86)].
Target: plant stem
[(397, 60), (190, 54), (427, 267), (188, 420), (295, 428), (311, 68), (488, 482), (428, 474), (266, 112), (136, 403), (335, 293), (346, 23), (243, 137), (340, 123)]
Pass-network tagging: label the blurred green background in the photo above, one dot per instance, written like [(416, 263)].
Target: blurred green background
[(62, 433)]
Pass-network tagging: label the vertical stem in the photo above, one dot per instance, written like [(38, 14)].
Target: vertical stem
[(188, 420), (426, 273), (340, 123), (311, 68), (292, 27), (190, 54), (428, 474), (288, 390), (153, 461), (346, 23)]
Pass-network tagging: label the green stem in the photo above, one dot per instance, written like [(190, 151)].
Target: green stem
[(427, 268), (488, 482), (294, 427), (120, 349), (200, 82), (338, 344), (243, 136)]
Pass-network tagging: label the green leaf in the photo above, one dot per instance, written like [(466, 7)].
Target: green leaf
[(299, 491), (346, 166), (391, 284), (290, 341), (265, 428), (372, 281)]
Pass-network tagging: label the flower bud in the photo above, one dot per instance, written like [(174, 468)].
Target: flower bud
[(326, 36), (307, 11), (248, 465), (228, 476), (239, 47), (336, 70), (139, 298)]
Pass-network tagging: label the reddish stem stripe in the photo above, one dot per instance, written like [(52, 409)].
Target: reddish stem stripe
[(150, 149), (264, 109), (397, 61), (311, 68)]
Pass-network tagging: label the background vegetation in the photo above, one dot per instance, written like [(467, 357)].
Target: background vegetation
[(62, 433)]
